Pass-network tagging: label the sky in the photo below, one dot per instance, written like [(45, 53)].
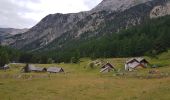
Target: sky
[(27, 13)]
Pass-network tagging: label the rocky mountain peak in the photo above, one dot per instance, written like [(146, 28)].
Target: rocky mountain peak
[(117, 5)]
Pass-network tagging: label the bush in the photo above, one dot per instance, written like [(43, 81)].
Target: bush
[(75, 60), (50, 61)]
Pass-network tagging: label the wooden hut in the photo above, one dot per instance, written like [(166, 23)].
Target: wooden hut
[(136, 63), (107, 68), (32, 68)]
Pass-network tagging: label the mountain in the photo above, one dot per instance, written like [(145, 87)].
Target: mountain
[(56, 30), (8, 32)]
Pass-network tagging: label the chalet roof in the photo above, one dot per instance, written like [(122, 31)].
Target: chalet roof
[(30, 67), (136, 60), (55, 69), (141, 59), (39, 69), (131, 60), (108, 65)]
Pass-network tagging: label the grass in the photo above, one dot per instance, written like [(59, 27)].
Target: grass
[(82, 83)]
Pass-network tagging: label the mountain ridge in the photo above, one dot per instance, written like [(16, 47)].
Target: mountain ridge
[(8, 32), (63, 27)]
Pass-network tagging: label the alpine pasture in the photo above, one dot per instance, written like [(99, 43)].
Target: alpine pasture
[(81, 82)]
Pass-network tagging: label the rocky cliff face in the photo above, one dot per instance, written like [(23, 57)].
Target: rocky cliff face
[(109, 16), (160, 10)]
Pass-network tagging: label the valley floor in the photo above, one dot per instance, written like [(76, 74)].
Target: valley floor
[(82, 83)]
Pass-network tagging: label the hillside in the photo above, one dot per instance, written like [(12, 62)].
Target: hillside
[(108, 17), (150, 38)]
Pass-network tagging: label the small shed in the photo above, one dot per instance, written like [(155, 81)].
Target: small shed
[(107, 68), (55, 70)]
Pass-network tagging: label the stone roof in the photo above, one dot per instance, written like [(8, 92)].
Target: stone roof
[(55, 70), (136, 60)]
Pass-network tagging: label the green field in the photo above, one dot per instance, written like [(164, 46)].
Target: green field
[(80, 82)]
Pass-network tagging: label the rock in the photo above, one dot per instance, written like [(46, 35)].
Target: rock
[(161, 10)]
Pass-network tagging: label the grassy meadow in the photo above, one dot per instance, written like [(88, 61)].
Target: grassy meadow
[(80, 82)]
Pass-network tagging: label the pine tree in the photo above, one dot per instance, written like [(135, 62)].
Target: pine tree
[(4, 58)]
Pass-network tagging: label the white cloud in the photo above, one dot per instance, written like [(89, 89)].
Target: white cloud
[(54, 6), (26, 13)]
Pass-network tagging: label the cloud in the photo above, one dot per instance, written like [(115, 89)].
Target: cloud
[(11, 15), (92, 3), (26, 13)]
